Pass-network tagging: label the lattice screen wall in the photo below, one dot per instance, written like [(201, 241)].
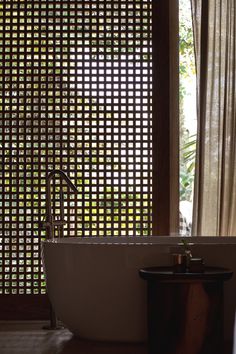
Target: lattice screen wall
[(76, 87)]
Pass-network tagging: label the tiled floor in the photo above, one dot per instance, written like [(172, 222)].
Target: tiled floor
[(30, 338)]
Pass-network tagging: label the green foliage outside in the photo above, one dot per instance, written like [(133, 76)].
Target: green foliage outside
[(187, 72)]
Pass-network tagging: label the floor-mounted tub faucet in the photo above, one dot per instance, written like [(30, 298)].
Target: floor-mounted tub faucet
[(50, 223)]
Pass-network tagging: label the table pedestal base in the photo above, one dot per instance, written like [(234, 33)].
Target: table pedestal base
[(185, 318)]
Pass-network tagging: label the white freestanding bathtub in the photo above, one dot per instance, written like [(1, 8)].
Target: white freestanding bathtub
[(94, 284)]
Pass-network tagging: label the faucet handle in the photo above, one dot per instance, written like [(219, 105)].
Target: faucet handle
[(44, 224), (58, 222)]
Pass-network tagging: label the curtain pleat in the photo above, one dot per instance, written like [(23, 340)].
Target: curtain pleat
[(214, 23)]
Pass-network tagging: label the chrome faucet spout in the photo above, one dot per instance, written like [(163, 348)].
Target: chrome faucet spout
[(50, 223)]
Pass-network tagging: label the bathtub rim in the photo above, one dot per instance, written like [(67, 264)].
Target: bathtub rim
[(143, 240)]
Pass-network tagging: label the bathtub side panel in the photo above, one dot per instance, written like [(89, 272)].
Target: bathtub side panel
[(96, 289)]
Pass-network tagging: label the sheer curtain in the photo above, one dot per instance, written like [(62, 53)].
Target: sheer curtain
[(214, 24)]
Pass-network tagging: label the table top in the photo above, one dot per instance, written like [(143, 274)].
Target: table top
[(167, 274)]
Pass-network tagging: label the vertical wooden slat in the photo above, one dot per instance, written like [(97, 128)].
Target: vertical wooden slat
[(165, 114)]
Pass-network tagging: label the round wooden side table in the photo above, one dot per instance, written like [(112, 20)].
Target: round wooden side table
[(185, 310)]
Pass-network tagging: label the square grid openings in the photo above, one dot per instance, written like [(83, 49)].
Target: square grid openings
[(76, 91)]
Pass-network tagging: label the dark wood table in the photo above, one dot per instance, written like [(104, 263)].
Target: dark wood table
[(185, 310)]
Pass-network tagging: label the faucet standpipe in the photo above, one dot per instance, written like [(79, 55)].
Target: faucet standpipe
[(49, 224)]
